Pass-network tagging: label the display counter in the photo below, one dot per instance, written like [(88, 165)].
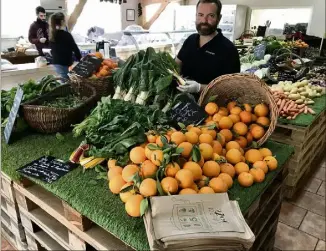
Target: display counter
[(22, 73), (79, 196)]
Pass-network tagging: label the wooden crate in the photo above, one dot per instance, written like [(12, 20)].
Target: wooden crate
[(6, 187), (42, 212), (12, 239), (15, 228), (10, 208)]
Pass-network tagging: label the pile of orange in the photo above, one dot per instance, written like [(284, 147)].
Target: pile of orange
[(106, 67), (222, 158)]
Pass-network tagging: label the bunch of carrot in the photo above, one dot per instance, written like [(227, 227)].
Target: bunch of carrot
[(288, 108)]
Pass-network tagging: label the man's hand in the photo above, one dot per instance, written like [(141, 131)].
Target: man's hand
[(190, 87), (43, 40)]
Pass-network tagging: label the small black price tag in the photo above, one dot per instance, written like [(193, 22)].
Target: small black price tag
[(87, 66)]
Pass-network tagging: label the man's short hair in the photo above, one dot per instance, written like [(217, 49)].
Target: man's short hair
[(216, 2), (39, 9)]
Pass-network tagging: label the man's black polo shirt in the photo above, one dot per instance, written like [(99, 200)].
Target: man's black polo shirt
[(217, 57)]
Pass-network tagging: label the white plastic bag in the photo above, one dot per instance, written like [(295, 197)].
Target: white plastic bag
[(41, 62)]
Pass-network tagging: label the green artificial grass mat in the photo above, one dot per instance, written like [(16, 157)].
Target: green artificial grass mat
[(93, 199), (307, 119)]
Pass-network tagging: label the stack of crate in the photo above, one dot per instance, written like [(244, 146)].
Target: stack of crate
[(309, 143), (11, 226)]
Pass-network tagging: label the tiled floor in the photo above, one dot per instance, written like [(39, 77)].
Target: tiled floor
[(302, 219)]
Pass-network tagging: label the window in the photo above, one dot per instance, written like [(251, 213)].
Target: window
[(16, 17), (95, 13)]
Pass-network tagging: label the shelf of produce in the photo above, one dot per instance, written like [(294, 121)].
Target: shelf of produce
[(308, 142), (89, 202)]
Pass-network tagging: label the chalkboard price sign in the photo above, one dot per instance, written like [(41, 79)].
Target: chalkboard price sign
[(87, 66), (47, 169), (259, 51), (13, 114), (188, 112)]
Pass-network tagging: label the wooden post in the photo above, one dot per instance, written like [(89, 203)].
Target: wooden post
[(72, 20), (156, 15)]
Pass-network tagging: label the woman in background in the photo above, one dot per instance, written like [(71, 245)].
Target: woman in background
[(62, 45)]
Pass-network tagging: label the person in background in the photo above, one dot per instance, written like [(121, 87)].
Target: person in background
[(39, 31), (208, 54), (62, 45)]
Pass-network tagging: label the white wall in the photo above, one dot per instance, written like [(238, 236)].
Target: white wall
[(132, 4), (317, 25)]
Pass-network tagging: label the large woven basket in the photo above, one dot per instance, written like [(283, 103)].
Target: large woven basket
[(244, 88), (103, 86), (48, 119)]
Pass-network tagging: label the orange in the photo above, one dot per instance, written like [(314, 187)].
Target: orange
[(223, 111), (257, 132), (206, 190), (241, 167), (151, 138), (212, 132), (148, 169), (249, 138), (211, 108), (159, 140), (169, 185), (157, 157), (253, 118), (271, 162), (261, 110), (171, 169), (206, 138), (178, 138), (227, 135), (126, 195), (221, 138), (217, 117), (233, 156), (242, 141), (225, 123), (192, 137), (242, 152), (194, 187), (189, 127), (235, 118), (223, 152), (263, 121), (231, 105), (245, 179), (117, 170), (209, 119), (185, 178), (187, 148), (129, 171), (111, 163), (247, 107), (195, 169), (148, 152), (235, 110), (218, 185), (227, 179), (252, 126), (116, 183), (132, 205), (240, 128), (206, 151), (227, 168), (98, 54), (200, 162), (265, 152), (253, 155), (232, 145), (187, 191), (137, 155), (148, 188), (262, 165), (195, 130), (211, 169), (203, 181), (245, 117), (169, 132), (217, 147), (258, 174)]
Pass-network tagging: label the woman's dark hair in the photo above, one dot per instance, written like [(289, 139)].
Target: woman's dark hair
[(39, 9), (55, 21), (216, 2)]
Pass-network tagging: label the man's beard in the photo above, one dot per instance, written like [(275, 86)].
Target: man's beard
[(206, 29)]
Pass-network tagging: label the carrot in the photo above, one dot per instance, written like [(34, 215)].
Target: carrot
[(301, 110), (301, 106), (281, 105), (295, 115), (286, 105), (293, 110), (279, 102), (306, 110), (311, 111), (289, 117)]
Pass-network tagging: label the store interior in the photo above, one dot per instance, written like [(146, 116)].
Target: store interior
[(109, 151)]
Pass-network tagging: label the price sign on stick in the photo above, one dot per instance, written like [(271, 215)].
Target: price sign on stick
[(87, 66), (47, 169), (13, 114)]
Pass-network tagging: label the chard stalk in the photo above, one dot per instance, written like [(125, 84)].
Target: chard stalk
[(180, 80)]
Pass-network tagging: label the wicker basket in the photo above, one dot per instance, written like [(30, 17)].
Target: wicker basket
[(103, 86), (243, 88), (48, 119)]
